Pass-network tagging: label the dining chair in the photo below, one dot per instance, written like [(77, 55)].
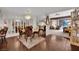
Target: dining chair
[(3, 33)]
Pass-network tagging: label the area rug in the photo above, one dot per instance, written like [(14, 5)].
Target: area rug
[(30, 44)]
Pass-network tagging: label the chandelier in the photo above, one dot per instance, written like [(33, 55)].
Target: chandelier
[(28, 15)]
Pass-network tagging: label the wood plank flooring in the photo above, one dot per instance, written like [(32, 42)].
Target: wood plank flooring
[(51, 43)]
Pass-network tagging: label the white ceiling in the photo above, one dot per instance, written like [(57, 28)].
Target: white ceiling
[(36, 11)]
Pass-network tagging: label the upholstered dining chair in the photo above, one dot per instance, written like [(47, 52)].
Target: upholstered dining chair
[(3, 33), (28, 31)]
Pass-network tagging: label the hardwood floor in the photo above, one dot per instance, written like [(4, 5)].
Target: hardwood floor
[(52, 43), (57, 43)]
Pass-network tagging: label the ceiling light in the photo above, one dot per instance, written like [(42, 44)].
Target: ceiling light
[(28, 17), (28, 14)]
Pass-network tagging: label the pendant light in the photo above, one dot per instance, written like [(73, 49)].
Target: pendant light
[(28, 14)]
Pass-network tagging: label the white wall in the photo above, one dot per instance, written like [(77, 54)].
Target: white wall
[(61, 14)]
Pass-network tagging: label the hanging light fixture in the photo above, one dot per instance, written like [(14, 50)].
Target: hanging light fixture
[(28, 17), (28, 14)]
